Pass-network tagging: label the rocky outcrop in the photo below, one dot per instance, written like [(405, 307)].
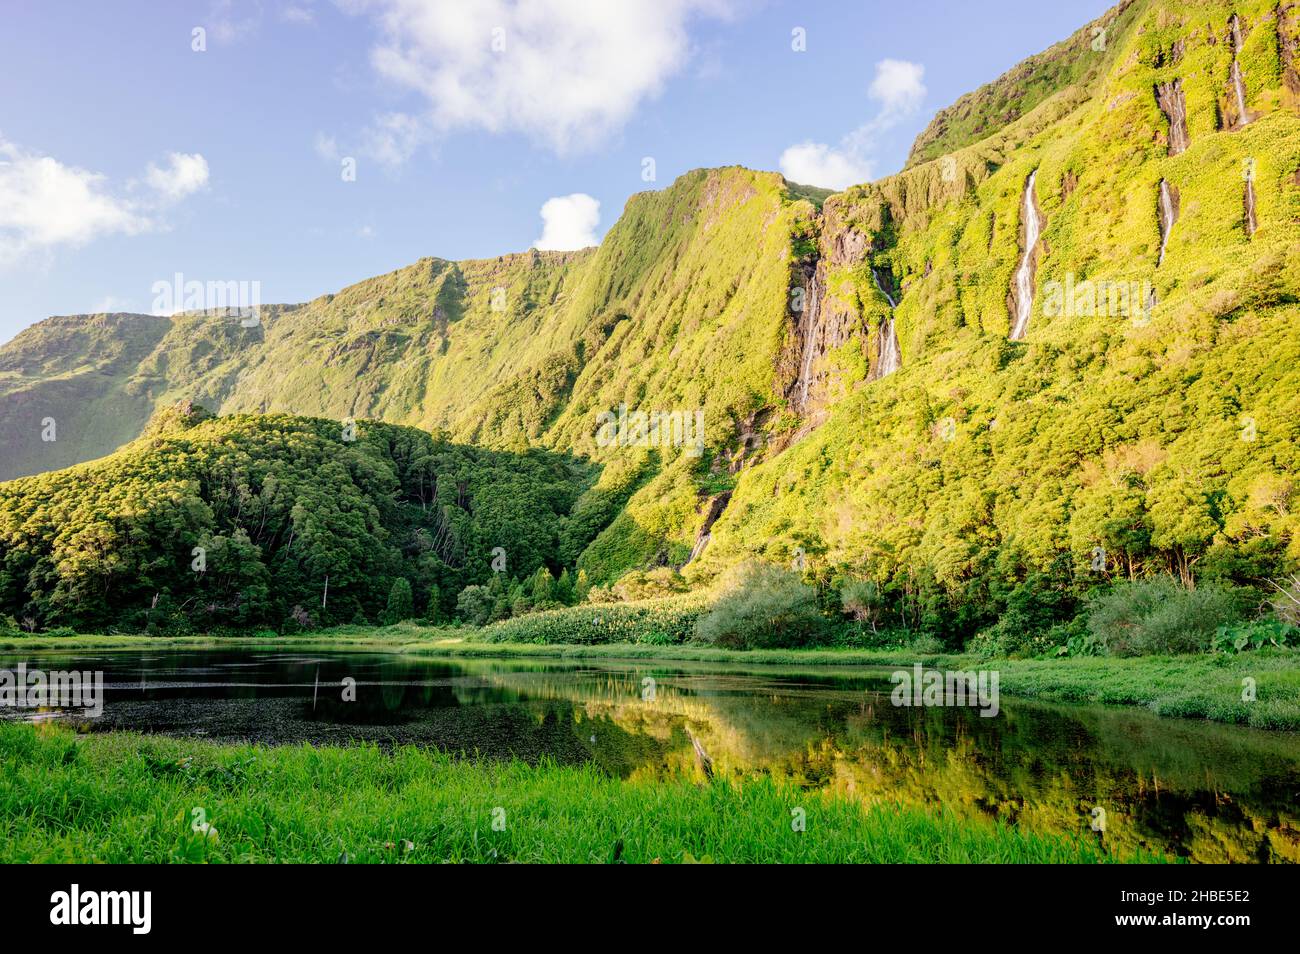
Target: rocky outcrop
[(712, 511), (822, 320), (1288, 50), (1236, 114)]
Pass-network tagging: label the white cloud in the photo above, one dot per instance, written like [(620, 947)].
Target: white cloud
[(392, 139), (815, 163), (389, 140), (184, 174), (326, 147), (569, 222), (898, 89), (232, 21), (563, 72), (298, 13), (45, 203), (898, 86)]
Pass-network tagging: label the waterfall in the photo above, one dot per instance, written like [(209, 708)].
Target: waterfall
[(1251, 222), (1238, 87), (810, 308), (1172, 102), (1024, 287), (889, 358), (701, 542), (1168, 213), (716, 505)]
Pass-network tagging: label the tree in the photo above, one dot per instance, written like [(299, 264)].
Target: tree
[(474, 605), (401, 605), (581, 587), (564, 588), (542, 587), (432, 611)]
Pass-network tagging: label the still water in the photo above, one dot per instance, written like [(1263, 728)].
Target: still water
[(1200, 791)]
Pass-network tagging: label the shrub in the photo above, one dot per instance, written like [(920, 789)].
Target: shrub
[(1144, 617), (926, 643), (474, 605), (658, 622), (762, 606), (862, 600), (1241, 637), (1006, 639)]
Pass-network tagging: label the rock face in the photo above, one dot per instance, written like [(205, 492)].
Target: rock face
[(828, 321), (849, 247), (712, 511), (810, 332), (1236, 114), (1288, 45), (1172, 102)]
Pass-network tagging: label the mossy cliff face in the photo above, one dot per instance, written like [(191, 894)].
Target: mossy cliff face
[(1149, 414), (1150, 409)]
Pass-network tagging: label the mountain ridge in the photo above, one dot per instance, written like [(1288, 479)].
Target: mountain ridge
[(864, 411)]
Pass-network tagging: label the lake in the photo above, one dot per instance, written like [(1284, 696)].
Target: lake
[(1200, 791)]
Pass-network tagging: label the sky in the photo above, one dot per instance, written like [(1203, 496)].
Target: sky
[(309, 144)]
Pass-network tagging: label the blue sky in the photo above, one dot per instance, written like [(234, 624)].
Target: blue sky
[(127, 156)]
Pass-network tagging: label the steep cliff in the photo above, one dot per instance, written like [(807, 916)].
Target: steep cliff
[(1067, 325)]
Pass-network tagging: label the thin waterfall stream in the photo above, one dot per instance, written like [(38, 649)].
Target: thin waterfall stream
[(1025, 273), (889, 357)]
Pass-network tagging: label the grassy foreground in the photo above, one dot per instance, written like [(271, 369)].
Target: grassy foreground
[(129, 798)]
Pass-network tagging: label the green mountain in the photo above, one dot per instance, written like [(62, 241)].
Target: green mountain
[(1057, 348)]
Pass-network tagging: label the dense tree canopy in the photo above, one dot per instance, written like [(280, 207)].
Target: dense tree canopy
[(274, 521)]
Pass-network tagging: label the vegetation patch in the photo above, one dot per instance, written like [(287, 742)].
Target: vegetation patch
[(125, 798)]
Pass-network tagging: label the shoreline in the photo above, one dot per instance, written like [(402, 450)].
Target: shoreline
[(1204, 687)]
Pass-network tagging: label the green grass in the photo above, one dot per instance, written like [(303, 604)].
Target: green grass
[(127, 798), (1193, 687)]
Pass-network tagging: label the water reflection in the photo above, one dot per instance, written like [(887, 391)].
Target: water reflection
[(1205, 792)]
